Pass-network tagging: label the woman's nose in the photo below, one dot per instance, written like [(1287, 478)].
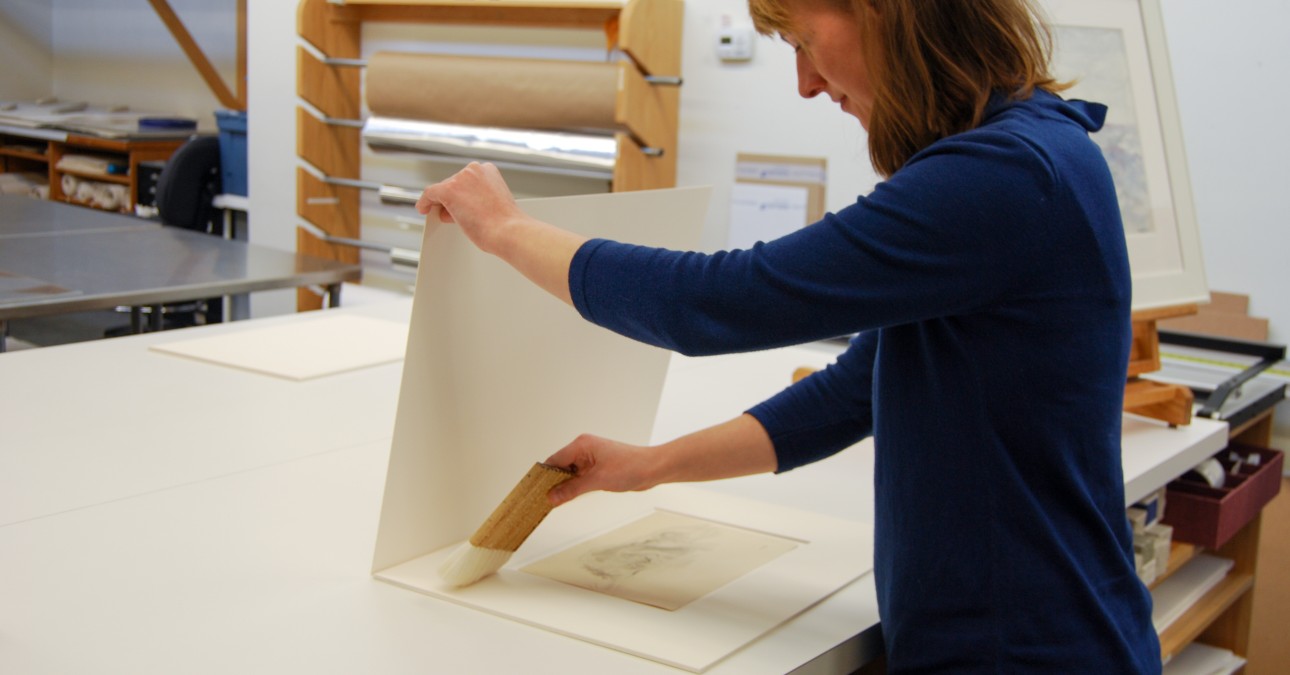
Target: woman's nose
[(809, 82)]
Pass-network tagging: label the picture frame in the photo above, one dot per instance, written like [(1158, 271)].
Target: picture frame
[(1116, 53)]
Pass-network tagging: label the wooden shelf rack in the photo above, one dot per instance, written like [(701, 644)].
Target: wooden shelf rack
[(648, 31)]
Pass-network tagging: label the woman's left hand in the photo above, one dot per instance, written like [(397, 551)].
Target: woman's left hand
[(478, 200)]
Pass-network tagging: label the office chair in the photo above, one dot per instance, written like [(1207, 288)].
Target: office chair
[(186, 190), (188, 185)]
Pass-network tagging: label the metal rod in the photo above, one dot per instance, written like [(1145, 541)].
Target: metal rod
[(326, 119), (356, 243), (342, 122), (392, 194), (349, 63), (350, 182), (670, 80), (404, 257)]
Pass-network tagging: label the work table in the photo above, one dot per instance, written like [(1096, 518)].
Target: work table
[(159, 514)]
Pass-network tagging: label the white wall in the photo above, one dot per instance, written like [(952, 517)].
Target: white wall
[(26, 49), (115, 54), (121, 54), (1230, 61)]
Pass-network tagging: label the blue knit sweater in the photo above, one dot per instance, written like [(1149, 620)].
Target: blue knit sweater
[(988, 283)]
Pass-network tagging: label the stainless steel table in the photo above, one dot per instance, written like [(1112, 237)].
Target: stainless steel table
[(26, 217), (57, 258)]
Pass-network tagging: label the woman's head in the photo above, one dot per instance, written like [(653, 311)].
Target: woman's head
[(912, 71)]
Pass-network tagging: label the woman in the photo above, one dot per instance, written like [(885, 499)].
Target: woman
[(988, 283)]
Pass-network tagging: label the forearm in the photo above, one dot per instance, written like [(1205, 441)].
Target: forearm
[(739, 447), (541, 252), (478, 200), (736, 448)]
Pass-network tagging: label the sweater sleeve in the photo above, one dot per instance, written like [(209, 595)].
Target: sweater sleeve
[(825, 412), (920, 246)]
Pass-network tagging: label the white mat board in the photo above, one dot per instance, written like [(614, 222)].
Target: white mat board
[(830, 554), (1175, 595), (300, 351), (499, 374)]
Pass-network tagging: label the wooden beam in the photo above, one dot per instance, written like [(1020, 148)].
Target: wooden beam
[(197, 56)]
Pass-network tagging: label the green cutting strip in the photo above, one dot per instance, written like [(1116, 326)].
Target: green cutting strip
[(1279, 372)]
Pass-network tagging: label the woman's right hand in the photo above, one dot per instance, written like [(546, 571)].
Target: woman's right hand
[(738, 447), (603, 464)]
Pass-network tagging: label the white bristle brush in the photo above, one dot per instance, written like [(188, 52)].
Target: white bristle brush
[(510, 524)]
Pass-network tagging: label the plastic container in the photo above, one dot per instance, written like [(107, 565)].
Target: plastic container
[(1209, 516), (232, 150)]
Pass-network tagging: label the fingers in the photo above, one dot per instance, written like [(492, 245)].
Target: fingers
[(428, 199), (576, 455), (465, 182), (601, 464), (580, 455), (566, 492)]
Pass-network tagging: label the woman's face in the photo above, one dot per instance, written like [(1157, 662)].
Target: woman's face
[(829, 57)]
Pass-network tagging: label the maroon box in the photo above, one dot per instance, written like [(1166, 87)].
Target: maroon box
[(1209, 516)]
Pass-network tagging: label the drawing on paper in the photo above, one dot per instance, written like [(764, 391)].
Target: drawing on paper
[(1097, 59), (665, 559)]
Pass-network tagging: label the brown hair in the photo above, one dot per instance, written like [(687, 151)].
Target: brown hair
[(933, 64)]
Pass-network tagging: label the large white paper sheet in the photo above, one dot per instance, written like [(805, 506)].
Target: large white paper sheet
[(499, 374), (300, 351)]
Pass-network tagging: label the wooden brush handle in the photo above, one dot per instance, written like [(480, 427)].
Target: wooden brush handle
[(523, 509)]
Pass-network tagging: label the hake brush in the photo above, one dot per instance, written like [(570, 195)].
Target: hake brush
[(510, 524)]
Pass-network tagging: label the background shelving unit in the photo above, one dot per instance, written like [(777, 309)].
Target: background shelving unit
[(649, 31), (16, 155), (1222, 617)]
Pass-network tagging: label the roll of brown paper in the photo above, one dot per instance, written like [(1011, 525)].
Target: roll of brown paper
[(495, 92)]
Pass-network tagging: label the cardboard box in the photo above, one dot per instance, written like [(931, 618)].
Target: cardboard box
[(1209, 516)]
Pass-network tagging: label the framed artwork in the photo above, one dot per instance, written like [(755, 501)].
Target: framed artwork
[(1115, 52)]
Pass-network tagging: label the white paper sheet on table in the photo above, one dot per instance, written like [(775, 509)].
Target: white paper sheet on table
[(301, 351)]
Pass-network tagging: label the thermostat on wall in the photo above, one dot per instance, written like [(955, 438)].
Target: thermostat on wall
[(735, 43)]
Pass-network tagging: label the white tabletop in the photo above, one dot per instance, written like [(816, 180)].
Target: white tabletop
[(163, 515)]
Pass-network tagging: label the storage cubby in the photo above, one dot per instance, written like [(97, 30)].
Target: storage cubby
[(34, 152)]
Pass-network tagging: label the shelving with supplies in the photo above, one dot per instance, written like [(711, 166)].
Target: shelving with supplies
[(41, 151)]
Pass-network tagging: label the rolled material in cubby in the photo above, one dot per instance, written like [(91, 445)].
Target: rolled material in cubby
[(579, 152), (494, 92)]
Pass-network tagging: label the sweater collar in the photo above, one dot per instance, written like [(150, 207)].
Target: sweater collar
[(1090, 116)]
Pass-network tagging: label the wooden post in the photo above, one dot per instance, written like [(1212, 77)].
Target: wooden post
[(1171, 403), (198, 57)]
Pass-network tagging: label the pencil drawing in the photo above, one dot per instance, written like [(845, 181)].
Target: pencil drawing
[(664, 548), (664, 559)]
